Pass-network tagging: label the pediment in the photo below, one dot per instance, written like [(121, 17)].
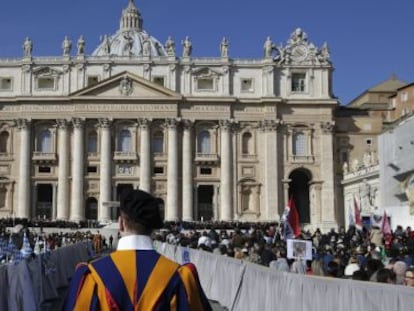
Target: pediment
[(46, 72), (206, 72), (127, 85)]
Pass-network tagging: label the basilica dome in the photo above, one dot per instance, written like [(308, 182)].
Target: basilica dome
[(131, 39)]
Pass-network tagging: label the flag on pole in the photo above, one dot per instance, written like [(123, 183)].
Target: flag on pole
[(357, 212), (293, 217), (385, 228)]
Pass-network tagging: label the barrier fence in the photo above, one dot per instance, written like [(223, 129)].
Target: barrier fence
[(242, 286), (40, 283)]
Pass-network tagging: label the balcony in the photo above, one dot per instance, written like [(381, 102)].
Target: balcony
[(306, 159), (125, 157), (6, 156), (44, 157), (206, 158), (93, 156)]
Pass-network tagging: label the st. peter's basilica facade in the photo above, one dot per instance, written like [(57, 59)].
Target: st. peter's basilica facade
[(217, 138)]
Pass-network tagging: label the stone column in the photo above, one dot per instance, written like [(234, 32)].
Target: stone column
[(327, 175), (23, 209), (145, 156), (271, 172), (54, 200), (105, 170), (171, 210), (63, 172), (78, 156), (226, 169), (188, 214)]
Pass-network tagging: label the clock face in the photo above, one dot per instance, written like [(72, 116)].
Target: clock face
[(299, 53)]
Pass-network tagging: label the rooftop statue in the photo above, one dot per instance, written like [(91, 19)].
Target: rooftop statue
[(27, 47), (268, 48), (224, 47), (170, 46), (81, 46), (66, 46), (187, 47)]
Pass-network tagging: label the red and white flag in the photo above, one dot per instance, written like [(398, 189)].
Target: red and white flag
[(293, 217), (385, 228)]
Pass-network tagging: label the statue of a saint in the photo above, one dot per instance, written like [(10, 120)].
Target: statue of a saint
[(268, 48), (324, 53), (345, 168), (146, 46), (106, 45), (297, 36), (27, 47), (170, 46), (81, 46), (224, 47), (66, 46), (129, 41), (187, 47)]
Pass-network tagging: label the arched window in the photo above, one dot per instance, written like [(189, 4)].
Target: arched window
[(158, 142), (92, 142), (45, 142), (124, 142), (247, 143), (299, 144), (4, 142), (204, 142)]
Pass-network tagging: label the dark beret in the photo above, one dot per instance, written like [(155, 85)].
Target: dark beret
[(142, 207)]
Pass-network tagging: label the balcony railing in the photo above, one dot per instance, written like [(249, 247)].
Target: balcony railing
[(210, 158), (125, 156), (302, 159), (39, 156), (4, 156)]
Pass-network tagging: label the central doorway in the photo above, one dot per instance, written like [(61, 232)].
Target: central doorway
[(205, 194), (44, 201)]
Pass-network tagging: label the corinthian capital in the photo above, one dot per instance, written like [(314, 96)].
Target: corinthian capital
[(105, 123)]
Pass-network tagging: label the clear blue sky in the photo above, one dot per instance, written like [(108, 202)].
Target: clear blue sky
[(369, 40)]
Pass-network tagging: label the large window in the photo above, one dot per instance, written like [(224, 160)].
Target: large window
[(247, 143), (298, 82), (124, 141), (299, 144), (44, 143), (158, 142), (205, 84), (92, 142), (204, 142), (4, 142)]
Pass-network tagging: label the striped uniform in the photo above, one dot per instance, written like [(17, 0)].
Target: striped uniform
[(134, 280)]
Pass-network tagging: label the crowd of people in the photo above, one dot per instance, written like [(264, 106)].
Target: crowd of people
[(365, 255)]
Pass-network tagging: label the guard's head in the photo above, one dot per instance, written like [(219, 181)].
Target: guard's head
[(140, 211)]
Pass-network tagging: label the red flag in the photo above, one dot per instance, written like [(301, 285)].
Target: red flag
[(293, 217), (357, 212), (385, 228)]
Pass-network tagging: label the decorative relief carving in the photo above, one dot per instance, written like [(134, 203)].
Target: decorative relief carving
[(226, 125), (328, 126), (225, 69), (144, 123), (23, 123), (62, 123), (26, 68), (171, 123), (107, 67), (187, 124), (271, 125), (187, 69), (66, 68), (173, 67), (147, 67), (125, 86), (78, 122), (105, 123)]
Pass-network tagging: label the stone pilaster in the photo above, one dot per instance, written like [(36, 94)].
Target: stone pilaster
[(188, 214), (145, 155), (23, 207), (63, 172), (271, 172), (78, 155), (171, 212), (226, 169), (105, 170)]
